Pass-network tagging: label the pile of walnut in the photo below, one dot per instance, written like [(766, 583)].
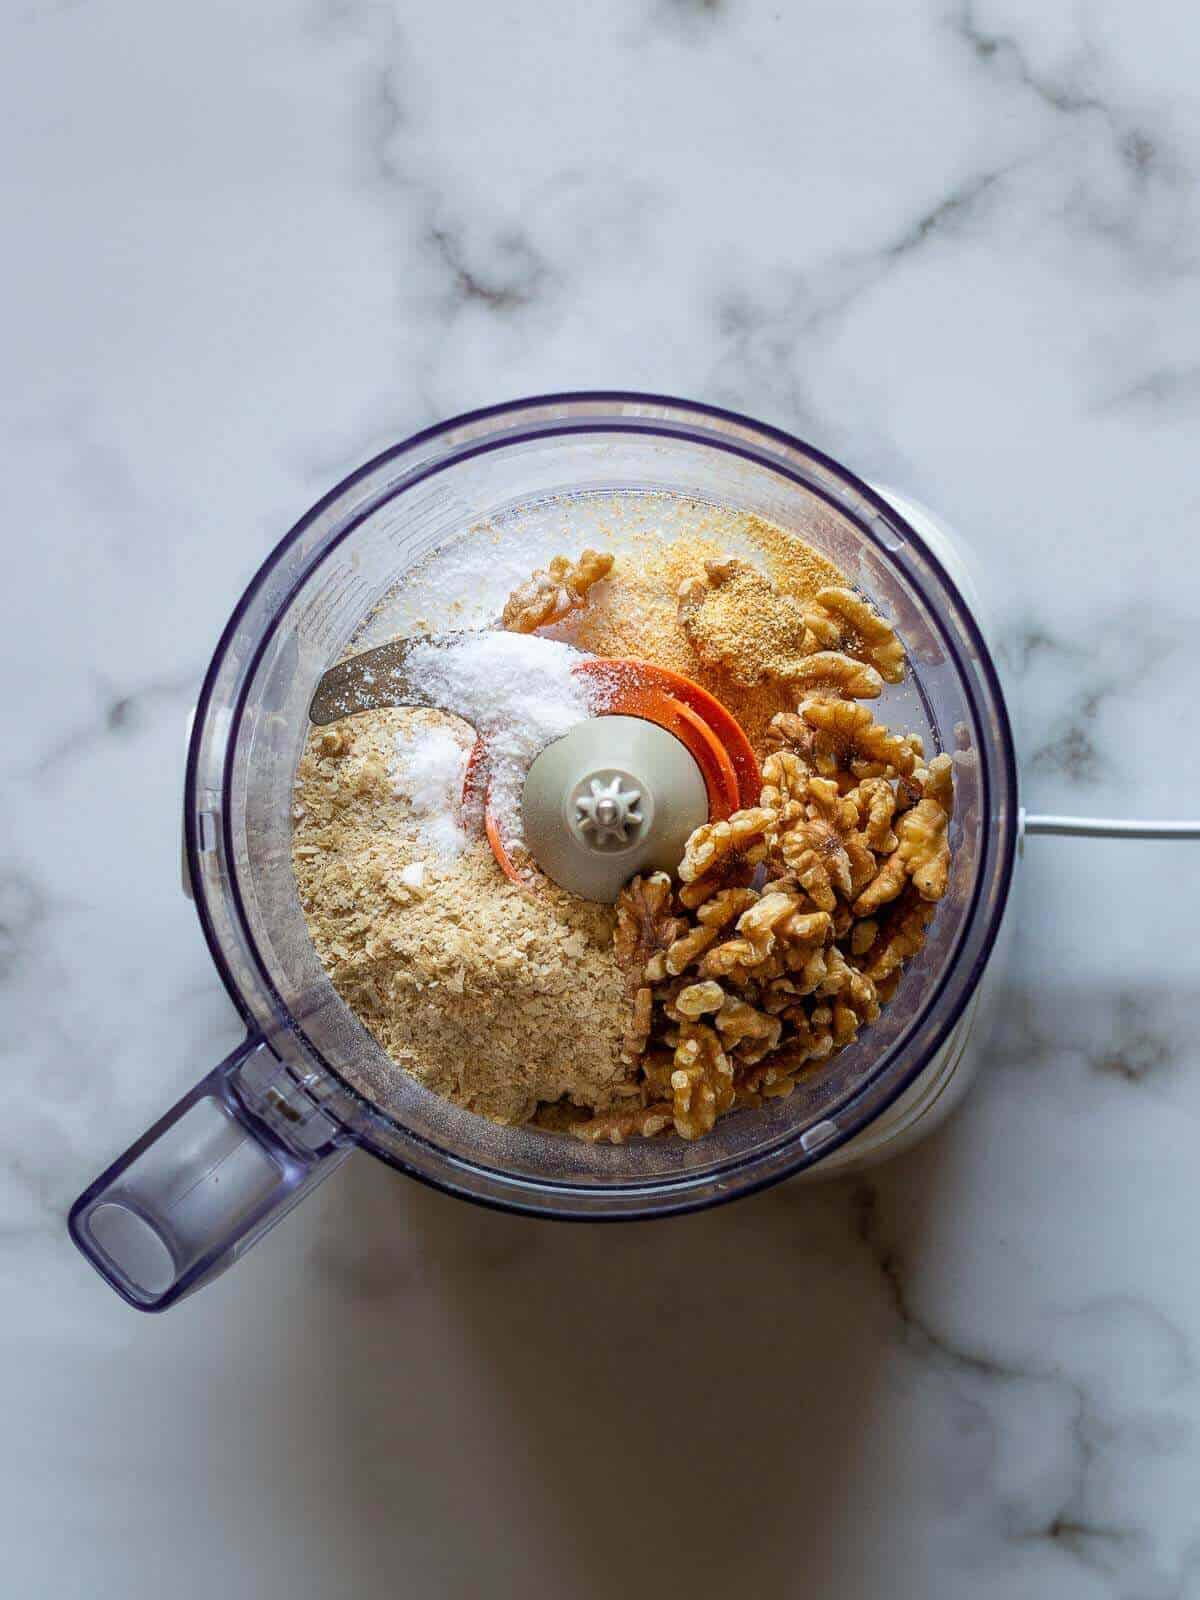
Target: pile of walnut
[(791, 924), (794, 918)]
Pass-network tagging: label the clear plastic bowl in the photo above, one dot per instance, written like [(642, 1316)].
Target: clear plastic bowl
[(272, 1120)]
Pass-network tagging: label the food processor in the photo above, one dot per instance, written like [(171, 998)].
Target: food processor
[(279, 1114)]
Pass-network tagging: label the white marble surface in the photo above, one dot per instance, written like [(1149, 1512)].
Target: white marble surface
[(248, 245)]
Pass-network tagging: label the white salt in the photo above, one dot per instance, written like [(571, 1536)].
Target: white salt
[(428, 772), (518, 691)]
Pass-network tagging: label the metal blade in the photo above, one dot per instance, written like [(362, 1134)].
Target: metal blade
[(372, 679)]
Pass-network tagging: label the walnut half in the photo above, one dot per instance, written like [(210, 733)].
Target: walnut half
[(702, 1080), (646, 923), (840, 619), (550, 594)]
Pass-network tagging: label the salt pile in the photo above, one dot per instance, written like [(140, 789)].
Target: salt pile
[(517, 690), (428, 771)]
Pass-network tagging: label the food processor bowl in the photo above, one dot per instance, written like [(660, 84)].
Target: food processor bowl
[(310, 1084)]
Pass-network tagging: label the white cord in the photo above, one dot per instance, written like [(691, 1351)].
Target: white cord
[(1110, 827)]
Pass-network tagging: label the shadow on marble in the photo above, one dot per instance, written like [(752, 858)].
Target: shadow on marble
[(690, 1402)]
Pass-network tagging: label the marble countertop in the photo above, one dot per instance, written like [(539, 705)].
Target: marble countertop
[(958, 246)]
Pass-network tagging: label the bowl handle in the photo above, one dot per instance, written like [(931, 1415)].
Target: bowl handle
[(207, 1180)]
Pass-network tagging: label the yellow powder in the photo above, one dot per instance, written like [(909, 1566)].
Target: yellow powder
[(635, 613), (493, 996)]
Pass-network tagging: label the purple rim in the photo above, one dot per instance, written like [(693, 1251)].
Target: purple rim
[(667, 428)]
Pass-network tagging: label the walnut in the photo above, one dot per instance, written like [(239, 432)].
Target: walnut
[(847, 736), (786, 996), (937, 782), (751, 1033), (657, 1065), (646, 928), (815, 855), (886, 988), (836, 673), (787, 730), (903, 938), (845, 1024), (811, 1044), (699, 998), (721, 854), (802, 934), (922, 854), (811, 974), (646, 922), (803, 970), (784, 782), (551, 593), (640, 1024), (687, 948), (862, 936), (614, 1127), (702, 1080), (840, 619), (926, 847), (824, 850), (823, 799), (884, 886), (736, 959), (774, 937), (811, 1038), (737, 620), (745, 1098), (694, 1111), (773, 911), (875, 802), (726, 906), (850, 987), (751, 1051), (781, 996), (755, 938), (709, 844), (824, 632), (776, 1075)]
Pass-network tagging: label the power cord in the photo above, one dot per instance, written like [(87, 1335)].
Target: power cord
[(1109, 827)]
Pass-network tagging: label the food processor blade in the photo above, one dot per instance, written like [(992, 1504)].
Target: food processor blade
[(374, 679)]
